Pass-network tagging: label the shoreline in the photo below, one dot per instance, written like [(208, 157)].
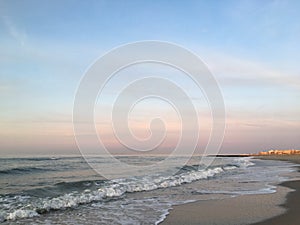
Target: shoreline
[(291, 204), (281, 207)]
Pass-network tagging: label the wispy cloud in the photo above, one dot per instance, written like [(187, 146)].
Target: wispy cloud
[(233, 70), (15, 32)]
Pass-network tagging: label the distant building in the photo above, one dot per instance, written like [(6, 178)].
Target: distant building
[(280, 152)]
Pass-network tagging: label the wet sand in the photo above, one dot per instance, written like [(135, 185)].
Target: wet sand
[(292, 204), (281, 207)]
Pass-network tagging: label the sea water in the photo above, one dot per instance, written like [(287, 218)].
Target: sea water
[(66, 190)]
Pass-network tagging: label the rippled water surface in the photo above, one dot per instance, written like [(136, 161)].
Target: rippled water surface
[(66, 190)]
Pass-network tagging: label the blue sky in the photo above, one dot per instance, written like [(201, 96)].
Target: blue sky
[(252, 47)]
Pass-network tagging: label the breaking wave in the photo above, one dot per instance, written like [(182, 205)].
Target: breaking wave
[(92, 191)]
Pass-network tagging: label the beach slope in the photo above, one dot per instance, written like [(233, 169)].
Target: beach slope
[(281, 207)]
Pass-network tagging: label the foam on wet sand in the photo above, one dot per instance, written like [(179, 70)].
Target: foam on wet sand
[(261, 209)]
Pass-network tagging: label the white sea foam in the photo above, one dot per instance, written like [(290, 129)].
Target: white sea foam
[(244, 162), (113, 189), (21, 213)]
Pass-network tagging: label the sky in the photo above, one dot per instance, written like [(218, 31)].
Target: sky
[(251, 47)]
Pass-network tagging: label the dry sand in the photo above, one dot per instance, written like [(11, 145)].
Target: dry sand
[(281, 207)]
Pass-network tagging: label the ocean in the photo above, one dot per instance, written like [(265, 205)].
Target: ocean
[(66, 190)]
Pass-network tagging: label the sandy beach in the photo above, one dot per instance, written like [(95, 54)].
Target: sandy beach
[(291, 216), (281, 207)]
